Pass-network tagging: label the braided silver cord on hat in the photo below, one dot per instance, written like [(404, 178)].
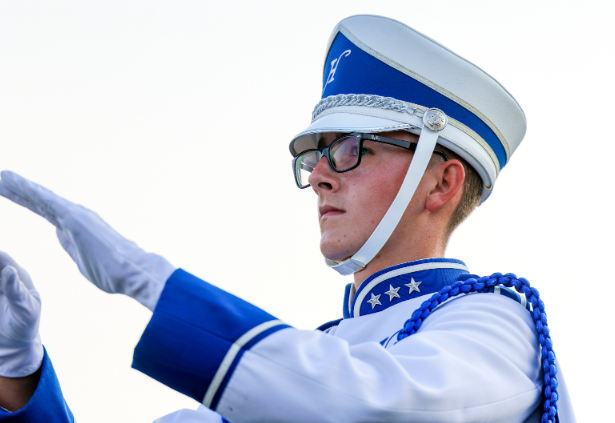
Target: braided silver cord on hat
[(386, 103)]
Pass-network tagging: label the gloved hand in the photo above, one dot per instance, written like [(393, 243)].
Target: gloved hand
[(21, 351), (103, 256)]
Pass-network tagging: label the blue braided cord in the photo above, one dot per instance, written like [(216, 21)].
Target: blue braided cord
[(472, 283)]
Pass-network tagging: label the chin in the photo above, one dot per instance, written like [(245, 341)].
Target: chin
[(334, 250)]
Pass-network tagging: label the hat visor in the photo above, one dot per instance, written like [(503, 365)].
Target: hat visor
[(343, 123)]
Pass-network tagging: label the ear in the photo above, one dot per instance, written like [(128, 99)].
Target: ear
[(448, 177)]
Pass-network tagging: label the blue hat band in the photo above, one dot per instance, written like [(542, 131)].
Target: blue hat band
[(350, 70)]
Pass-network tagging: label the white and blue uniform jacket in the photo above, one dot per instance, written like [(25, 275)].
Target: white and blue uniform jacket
[(476, 358)]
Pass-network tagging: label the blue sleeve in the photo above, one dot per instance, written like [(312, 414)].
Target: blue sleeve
[(46, 405), (197, 336)]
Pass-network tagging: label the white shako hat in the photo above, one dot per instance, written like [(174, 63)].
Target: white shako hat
[(381, 75)]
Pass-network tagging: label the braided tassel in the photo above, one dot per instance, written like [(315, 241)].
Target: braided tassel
[(521, 285)]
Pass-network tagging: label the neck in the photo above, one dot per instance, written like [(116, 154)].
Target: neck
[(403, 247)]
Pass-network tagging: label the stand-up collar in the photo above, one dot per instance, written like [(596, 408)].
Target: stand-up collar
[(399, 283)]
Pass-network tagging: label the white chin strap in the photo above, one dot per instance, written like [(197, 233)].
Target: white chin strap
[(434, 120)]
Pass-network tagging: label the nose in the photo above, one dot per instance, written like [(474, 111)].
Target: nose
[(323, 178)]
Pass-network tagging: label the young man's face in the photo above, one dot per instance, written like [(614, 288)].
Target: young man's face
[(351, 204)]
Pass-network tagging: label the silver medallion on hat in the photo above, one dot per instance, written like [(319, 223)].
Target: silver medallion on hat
[(435, 119)]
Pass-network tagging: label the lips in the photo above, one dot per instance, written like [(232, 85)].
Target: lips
[(328, 211)]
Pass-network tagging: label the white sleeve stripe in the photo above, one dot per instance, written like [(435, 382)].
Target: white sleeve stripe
[(230, 356)]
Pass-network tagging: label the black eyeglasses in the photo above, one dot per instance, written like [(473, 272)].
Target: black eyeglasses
[(343, 154)]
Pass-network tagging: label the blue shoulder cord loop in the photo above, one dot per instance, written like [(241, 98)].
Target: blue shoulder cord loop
[(471, 283)]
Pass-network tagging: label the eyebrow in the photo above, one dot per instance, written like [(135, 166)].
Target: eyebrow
[(321, 140)]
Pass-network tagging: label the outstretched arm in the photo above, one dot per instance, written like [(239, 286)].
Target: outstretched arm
[(108, 260)]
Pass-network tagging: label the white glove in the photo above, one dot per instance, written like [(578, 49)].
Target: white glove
[(103, 256), (21, 351)]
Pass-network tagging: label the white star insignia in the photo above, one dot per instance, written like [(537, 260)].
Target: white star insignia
[(413, 285), (392, 292), (375, 300)]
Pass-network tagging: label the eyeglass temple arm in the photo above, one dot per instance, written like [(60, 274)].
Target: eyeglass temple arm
[(400, 143)]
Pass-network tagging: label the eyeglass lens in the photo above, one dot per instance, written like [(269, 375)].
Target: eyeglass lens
[(305, 165), (344, 154)]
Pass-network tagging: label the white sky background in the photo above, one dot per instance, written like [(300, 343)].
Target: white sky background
[(172, 120)]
